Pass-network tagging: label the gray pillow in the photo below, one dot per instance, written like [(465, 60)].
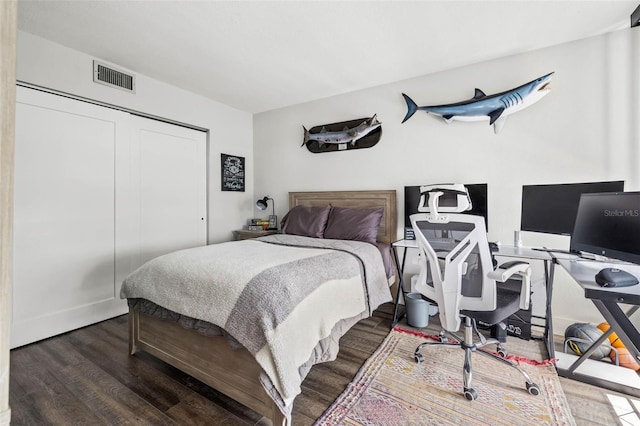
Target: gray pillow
[(306, 221), (353, 224)]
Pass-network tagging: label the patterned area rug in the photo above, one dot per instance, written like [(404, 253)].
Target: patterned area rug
[(392, 389)]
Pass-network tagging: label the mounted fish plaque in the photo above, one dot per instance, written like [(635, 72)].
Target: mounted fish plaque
[(494, 108), (354, 134)]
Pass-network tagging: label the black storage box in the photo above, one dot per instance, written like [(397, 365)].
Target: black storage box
[(519, 324)]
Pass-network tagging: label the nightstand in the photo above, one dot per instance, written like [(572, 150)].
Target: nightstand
[(244, 234)]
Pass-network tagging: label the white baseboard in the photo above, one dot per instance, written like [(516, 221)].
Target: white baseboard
[(561, 324)]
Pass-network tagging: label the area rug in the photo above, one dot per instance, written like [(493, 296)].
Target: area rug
[(392, 389)]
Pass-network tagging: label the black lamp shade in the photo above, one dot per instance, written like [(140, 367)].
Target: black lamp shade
[(262, 203)]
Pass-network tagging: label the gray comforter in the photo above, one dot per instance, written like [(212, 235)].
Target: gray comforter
[(285, 298)]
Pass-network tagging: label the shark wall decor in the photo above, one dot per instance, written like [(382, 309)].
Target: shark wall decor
[(353, 134), (495, 107)]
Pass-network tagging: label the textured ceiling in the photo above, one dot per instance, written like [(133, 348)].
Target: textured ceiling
[(263, 55)]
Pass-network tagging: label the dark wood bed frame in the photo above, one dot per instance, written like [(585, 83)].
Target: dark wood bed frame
[(210, 359)]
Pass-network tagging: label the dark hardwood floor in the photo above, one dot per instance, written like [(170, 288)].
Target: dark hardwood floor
[(86, 377)]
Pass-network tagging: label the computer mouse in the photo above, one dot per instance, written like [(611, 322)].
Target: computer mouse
[(614, 277)]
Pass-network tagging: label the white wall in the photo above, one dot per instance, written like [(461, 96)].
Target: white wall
[(52, 65), (586, 129)]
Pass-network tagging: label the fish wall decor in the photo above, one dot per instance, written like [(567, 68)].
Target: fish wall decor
[(353, 134), (495, 107)]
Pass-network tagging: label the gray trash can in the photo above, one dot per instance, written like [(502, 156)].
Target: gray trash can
[(418, 310)]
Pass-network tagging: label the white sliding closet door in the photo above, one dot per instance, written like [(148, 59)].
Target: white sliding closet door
[(170, 176), (97, 193), (64, 216)]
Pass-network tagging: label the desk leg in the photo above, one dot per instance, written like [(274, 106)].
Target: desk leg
[(400, 269), (595, 345), (549, 271), (619, 322)]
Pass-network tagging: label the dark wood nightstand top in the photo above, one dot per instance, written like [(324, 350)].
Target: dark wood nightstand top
[(244, 234)]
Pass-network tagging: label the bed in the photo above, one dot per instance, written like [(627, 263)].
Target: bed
[(224, 363)]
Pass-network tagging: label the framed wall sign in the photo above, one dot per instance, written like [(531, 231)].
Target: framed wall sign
[(232, 172)]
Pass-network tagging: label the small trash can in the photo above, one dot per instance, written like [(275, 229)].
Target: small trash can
[(418, 310)]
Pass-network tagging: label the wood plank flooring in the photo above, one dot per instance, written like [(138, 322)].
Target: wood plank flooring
[(86, 377)]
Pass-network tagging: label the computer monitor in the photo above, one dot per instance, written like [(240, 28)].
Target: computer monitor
[(477, 194), (552, 209), (608, 225)]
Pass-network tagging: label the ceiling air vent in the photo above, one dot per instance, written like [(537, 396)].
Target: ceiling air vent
[(107, 75)]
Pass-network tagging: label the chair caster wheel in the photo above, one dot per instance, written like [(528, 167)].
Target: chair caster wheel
[(418, 357), (533, 389), (503, 353), (471, 394)]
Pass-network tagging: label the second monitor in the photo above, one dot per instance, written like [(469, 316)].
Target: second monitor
[(552, 208)]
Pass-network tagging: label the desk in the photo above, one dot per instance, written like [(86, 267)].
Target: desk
[(503, 251), (608, 301)]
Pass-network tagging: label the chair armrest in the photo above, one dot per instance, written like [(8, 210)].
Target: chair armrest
[(507, 270), (503, 272)]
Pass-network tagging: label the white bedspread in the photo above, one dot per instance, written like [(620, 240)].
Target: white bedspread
[(279, 296)]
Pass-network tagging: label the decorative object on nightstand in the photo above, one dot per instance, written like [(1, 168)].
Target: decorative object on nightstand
[(258, 224), (262, 204)]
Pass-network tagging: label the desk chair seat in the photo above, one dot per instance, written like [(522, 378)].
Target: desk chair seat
[(457, 272), (507, 304)]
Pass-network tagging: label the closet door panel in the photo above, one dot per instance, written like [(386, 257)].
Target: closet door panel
[(64, 219), (172, 174)]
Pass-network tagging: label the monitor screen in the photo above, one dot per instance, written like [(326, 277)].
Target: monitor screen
[(609, 225), (552, 209), (477, 194)]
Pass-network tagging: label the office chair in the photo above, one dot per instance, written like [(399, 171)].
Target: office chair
[(457, 272)]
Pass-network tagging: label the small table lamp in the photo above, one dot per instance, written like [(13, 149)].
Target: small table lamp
[(262, 204)]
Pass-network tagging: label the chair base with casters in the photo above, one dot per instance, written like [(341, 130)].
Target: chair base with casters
[(470, 346)]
